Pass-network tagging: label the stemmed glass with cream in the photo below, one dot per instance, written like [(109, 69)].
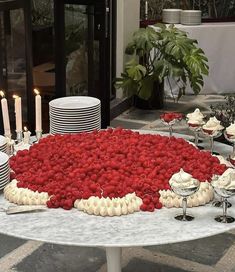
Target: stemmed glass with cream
[(195, 122)]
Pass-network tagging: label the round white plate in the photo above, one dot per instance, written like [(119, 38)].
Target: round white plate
[(4, 165), (75, 126), (52, 131), (74, 122), (3, 141), (4, 150), (85, 118), (75, 102), (4, 172), (75, 109), (3, 146), (74, 112), (5, 178), (61, 129), (3, 186), (3, 158)]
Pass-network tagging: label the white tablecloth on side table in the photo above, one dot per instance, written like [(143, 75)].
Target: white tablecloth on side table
[(218, 42)]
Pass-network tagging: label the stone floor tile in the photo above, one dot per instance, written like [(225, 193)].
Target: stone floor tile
[(8, 243), (56, 258), (205, 251), (139, 265)]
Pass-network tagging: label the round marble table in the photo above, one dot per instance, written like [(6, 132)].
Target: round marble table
[(140, 229)]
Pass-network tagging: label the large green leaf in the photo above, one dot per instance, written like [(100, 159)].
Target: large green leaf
[(196, 62)]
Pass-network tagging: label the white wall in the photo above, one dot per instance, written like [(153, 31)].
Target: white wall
[(128, 19)]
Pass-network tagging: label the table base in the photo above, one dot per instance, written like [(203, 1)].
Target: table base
[(113, 255)]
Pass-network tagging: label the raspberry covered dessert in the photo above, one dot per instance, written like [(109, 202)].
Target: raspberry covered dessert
[(108, 172)]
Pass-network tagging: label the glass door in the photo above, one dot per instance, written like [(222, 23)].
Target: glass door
[(15, 58), (83, 50)]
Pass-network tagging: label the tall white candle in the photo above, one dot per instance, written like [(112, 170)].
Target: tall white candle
[(38, 110), (18, 113), (5, 115), (146, 7)]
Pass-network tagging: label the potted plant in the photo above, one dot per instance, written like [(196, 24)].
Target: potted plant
[(157, 55)]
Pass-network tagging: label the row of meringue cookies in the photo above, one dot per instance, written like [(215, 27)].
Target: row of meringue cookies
[(93, 205), (109, 207), (106, 206)]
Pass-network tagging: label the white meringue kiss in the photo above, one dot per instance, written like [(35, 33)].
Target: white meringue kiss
[(109, 207)]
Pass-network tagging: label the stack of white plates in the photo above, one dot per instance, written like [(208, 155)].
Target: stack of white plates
[(74, 114), (4, 170), (3, 144), (171, 16), (191, 17)]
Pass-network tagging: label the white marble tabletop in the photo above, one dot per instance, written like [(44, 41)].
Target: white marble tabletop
[(140, 229), (143, 228)]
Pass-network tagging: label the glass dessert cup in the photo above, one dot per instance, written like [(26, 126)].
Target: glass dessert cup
[(169, 119), (170, 126), (195, 129), (211, 134), (219, 203), (224, 194), (230, 138), (185, 192)]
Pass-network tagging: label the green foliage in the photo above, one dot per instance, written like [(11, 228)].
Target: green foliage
[(163, 54), (225, 112)]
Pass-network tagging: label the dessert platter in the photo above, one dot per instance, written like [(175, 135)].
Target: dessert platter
[(110, 172)]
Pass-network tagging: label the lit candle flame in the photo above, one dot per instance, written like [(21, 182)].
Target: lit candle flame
[(25, 129), (15, 96), (2, 94), (36, 91)]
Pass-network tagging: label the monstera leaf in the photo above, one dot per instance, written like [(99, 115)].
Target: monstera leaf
[(159, 54), (143, 42), (197, 62)]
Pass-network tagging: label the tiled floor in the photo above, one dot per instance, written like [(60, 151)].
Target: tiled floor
[(213, 254)]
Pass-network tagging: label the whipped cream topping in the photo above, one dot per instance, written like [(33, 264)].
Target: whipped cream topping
[(204, 195), (109, 207), (231, 129), (183, 180), (226, 180), (23, 196), (213, 124), (195, 118)]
